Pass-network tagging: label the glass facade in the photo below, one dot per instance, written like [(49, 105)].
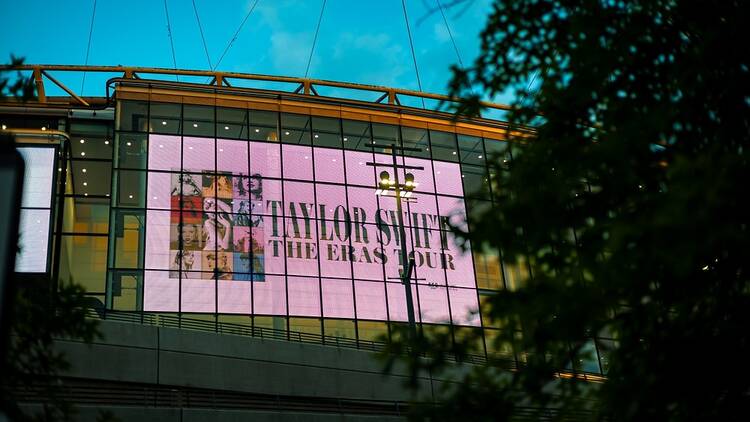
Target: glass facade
[(270, 219), (272, 214)]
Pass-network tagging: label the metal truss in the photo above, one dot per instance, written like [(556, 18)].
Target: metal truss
[(304, 86)]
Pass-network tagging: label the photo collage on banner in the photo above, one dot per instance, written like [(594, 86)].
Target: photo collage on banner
[(221, 229)]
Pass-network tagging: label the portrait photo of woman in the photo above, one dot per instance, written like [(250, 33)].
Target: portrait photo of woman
[(217, 228)]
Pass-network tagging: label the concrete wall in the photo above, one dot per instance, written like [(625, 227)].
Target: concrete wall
[(184, 358)]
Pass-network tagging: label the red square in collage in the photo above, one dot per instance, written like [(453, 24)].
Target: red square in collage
[(191, 207)]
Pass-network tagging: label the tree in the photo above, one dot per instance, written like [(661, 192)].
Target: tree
[(628, 202), (40, 311)]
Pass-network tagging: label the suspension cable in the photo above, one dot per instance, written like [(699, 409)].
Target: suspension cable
[(413, 55), (234, 37), (200, 28), (171, 42), (88, 47), (450, 34), (312, 50)]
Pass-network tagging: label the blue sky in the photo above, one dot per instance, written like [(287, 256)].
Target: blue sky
[(359, 41)]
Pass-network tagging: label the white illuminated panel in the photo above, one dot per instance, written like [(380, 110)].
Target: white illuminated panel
[(37, 180), (34, 224), (33, 230)]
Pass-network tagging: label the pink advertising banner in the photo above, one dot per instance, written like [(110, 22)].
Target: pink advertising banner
[(226, 234)]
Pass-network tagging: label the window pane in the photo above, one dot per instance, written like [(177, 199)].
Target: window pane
[(433, 304), (83, 260), (304, 325), (356, 134), (472, 337), (198, 154), (372, 331), (338, 298), (443, 146), (86, 215), (357, 170), (128, 239), (264, 125), (132, 115), (304, 296), (96, 137), (487, 267), (295, 129), (159, 239), (269, 296), (165, 118), (326, 131), (329, 165), (464, 306), (397, 309), (485, 300), (339, 328), (198, 121), (384, 135), (423, 178), (126, 290), (91, 177), (232, 156), (370, 298), (265, 159), (131, 188), (497, 347), (516, 273), (164, 152), (130, 151), (448, 178), (472, 151), (270, 323), (416, 138), (496, 150), (297, 162), (160, 292), (231, 123), (197, 295), (476, 181)]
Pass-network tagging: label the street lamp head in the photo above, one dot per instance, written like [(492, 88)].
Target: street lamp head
[(385, 178), (409, 181)]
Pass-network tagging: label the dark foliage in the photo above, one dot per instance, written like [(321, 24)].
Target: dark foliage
[(629, 204), (39, 316), (22, 88)]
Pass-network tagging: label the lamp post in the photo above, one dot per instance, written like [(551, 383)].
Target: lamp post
[(386, 185)]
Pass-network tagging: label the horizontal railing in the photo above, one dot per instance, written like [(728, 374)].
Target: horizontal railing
[(175, 321), (219, 327)]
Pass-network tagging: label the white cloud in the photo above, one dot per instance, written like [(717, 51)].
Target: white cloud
[(290, 51)]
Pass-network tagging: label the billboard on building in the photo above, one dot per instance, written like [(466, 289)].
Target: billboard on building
[(280, 229)]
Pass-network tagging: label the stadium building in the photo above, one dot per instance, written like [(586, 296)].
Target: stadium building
[(238, 239)]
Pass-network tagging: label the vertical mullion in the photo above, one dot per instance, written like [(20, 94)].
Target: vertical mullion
[(351, 265), (283, 219), (315, 220)]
